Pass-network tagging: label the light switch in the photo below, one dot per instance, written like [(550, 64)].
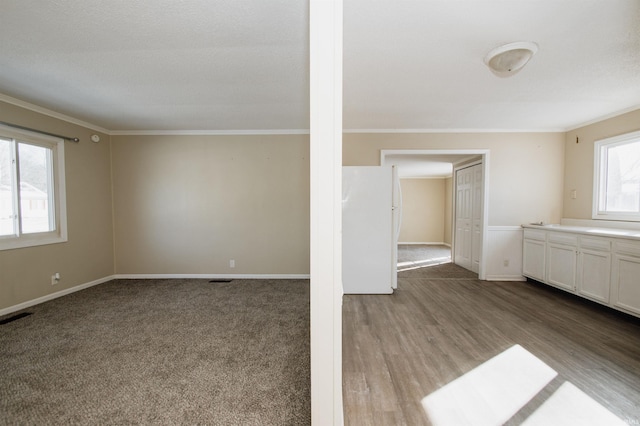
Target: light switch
[(574, 194)]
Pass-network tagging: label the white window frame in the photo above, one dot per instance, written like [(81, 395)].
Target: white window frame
[(59, 234), (599, 174)]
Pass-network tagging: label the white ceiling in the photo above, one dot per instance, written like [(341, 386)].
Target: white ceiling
[(243, 65), (161, 65), (419, 64)]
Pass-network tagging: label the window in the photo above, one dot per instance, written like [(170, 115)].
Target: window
[(617, 178), (32, 192)]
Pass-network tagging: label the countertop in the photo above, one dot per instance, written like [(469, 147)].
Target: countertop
[(633, 234)]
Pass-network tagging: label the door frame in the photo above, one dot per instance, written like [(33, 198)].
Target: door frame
[(484, 161)]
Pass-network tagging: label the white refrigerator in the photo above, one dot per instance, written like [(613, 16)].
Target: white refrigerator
[(371, 214)]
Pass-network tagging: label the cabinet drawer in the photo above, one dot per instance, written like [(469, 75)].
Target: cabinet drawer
[(598, 244), (534, 234), (629, 248), (561, 238)]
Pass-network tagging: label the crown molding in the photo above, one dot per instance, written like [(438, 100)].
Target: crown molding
[(604, 117), (208, 132), (552, 130), (45, 111), (48, 112)]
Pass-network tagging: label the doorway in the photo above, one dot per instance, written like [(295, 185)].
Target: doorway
[(443, 163), (417, 256)]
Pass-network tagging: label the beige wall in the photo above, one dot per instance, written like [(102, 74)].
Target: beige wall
[(423, 210), (189, 204), (579, 160), (25, 274), (526, 170)]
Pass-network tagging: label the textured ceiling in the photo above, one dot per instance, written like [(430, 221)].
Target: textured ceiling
[(243, 65), (419, 64), (162, 64)]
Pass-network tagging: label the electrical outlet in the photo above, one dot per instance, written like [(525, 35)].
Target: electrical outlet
[(232, 263), (55, 278), (506, 262)]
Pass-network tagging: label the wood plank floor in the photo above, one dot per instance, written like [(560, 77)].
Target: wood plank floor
[(442, 322)]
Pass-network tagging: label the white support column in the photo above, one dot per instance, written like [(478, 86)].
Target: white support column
[(325, 20)]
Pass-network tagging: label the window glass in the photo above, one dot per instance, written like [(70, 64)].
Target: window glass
[(623, 178), (7, 211), (617, 178), (36, 190), (32, 190)]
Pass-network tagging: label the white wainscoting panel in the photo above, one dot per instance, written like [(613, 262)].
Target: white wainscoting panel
[(504, 253)]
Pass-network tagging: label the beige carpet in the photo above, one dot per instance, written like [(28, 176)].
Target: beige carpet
[(161, 352)]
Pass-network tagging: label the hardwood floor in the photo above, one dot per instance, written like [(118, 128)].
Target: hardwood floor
[(442, 322)]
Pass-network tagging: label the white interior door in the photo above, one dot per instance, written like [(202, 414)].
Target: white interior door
[(476, 217), (463, 216)]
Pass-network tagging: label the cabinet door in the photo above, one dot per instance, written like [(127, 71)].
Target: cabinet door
[(594, 274), (625, 285), (561, 266), (533, 262)]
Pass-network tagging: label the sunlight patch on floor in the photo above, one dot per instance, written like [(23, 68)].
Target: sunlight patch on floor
[(425, 263), (570, 406), (493, 392)]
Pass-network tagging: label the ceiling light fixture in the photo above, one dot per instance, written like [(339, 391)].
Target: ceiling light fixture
[(507, 60)]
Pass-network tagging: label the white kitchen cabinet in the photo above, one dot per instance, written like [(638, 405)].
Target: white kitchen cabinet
[(598, 264), (534, 249), (594, 268), (562, 252), (625, 290)]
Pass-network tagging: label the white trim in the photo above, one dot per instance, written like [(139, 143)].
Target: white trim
[(424, 243), (484, 160), (208, 132), (212, 276), (505, 228), (603, 117), (442, 177), (461, 152), (48, 297), (56, 146), (325, 182), (45, 111), (505, 278), (51, 113), (456, 130)]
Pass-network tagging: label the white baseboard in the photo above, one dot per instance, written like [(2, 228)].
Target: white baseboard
[(213, 276), (425, 243), (48, 297), (505, 278)]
